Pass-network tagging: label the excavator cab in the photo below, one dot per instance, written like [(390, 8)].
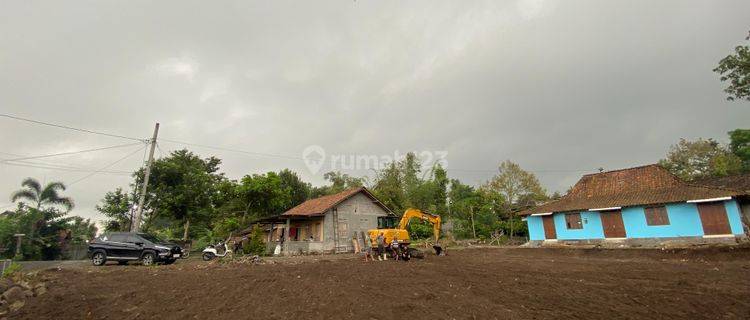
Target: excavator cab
[(388, 222)]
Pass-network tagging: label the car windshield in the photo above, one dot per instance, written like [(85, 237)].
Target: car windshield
[(151, 238)]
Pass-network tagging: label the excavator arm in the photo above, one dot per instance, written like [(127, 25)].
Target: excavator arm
[(416, 213)]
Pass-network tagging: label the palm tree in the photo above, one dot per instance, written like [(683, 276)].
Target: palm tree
[(39, 197), (43, 203)]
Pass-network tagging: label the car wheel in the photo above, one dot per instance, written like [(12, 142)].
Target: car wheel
[(122, 263), (207, 256), (148, 259), (99, 258)]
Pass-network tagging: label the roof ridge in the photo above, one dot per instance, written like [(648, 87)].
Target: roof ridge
[(691, 184), (623, 169)]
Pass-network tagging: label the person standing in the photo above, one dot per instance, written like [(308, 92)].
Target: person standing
[(395, 248), (381, 247)]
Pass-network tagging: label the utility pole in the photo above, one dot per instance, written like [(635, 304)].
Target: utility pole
[(136, 225)]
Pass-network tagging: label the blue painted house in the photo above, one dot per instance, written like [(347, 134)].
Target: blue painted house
[(638, 204)]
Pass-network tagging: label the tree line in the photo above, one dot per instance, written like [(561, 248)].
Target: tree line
[(189, 197)]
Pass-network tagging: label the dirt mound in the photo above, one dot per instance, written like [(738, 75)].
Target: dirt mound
[(466, 284)]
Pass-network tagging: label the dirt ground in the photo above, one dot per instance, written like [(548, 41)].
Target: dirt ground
[(508, 283)]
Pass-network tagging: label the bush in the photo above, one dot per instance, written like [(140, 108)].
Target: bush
[(420, 229), (11, 269), (255, 244)]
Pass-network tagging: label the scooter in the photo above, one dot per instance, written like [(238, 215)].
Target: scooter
[(212, 251)]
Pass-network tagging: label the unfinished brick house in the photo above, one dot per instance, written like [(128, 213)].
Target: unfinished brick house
[(325, 224)]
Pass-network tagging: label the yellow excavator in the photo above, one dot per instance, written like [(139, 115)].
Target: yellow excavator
[(393, 228)]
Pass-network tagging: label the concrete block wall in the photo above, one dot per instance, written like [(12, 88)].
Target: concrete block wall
[(359, 214)]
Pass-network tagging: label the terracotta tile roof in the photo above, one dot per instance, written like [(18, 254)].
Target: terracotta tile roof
[(319, 206), (643, 185), (739, 182)]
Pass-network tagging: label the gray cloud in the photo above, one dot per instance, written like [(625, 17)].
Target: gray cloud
[(559, 87)]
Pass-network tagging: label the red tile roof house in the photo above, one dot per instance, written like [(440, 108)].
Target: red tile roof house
[(738, 182), (325, 224), (644, 205)]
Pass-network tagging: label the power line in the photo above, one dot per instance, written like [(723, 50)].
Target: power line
[(69, 169), (233, 150), (70, 128), (161, 153), (48, 165), (72, 152), (107, 166)]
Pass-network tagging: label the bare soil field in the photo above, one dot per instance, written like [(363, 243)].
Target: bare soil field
[(508, 283)]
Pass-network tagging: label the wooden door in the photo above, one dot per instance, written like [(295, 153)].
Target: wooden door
[(714, 218), (612, 224), (549, 227)]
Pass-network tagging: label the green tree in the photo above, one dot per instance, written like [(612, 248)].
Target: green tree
[(701, 158), (410, 168), (264, 195), (182, 187), (255, 244), (339, 182), (389, 188), (116, 206), (227, 199), (39, 198), (739, 145), (440, 189), (518, 187), (81, 229), (39, 217), (297, 189), (44, 203), (735, 68)]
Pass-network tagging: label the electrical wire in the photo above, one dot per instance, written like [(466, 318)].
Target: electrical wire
[(107, 166), (233, 150), (161, 154), (52, 166), (223, 148), (73, 152), (70, 128), (64, 168)]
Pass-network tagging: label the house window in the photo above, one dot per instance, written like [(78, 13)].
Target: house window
[(657, 216), (573, 221)]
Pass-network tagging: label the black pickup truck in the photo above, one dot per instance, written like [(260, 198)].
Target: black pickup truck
[(130, 246)]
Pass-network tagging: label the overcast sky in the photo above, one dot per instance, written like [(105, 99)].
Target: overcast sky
[(560, 87)]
